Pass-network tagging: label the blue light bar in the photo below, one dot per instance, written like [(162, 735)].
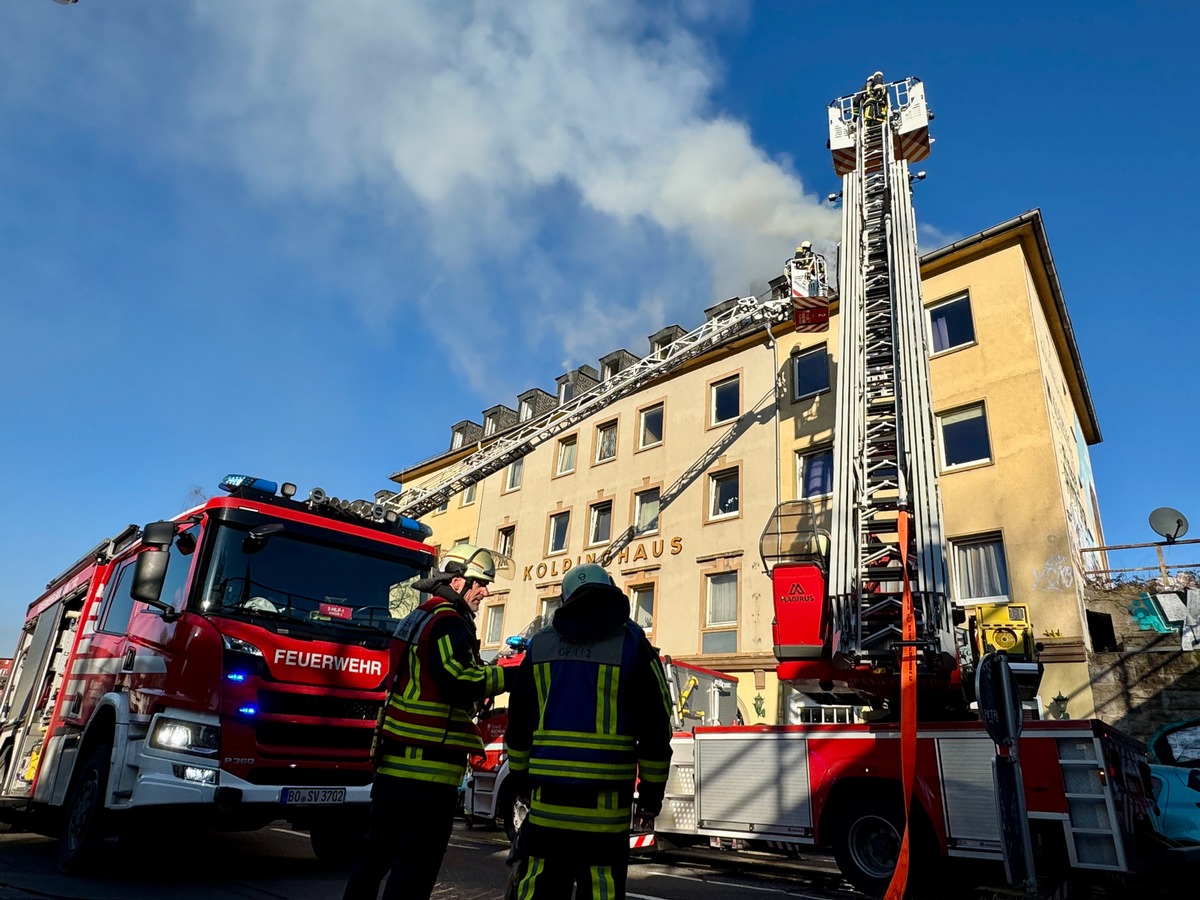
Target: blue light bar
[(248, 710), (233, 483), (236, 676), (419, 527)]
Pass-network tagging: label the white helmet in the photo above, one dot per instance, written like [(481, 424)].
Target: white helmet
[(469, 561)]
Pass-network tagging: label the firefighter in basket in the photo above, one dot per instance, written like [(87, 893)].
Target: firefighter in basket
[(427, 732), (589, 719)]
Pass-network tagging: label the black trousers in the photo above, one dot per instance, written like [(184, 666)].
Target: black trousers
[(407, 833)]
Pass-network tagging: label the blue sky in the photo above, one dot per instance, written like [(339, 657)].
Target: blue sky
[(301, 239)]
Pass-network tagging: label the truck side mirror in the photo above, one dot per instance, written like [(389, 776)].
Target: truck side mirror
[(150, 571)]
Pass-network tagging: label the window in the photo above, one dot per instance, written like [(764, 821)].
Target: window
[(721, 612), (443, 506), (645, 511), (495, 624), (119, 603), (566, 392), (610, 369), (642, 600), (489, 427), (726, 400), (468, 496), (549, 607), (659, 349), (600, 527), (964, 437), (560, 525), (457, 441), (650, 432), (980, 574), (513, 481), (723, 494), (506, 538), (814, 474), (525, 412), (566, 456), (810, 372), (606, 441), (950, 324)]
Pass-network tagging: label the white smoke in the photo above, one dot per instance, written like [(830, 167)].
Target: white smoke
[(497, 127)]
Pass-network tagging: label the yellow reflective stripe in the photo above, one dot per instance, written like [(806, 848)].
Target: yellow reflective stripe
[(528, 886), (604, 886), (541, 677), (409, 731), (600, 694), (495, 679), (413, 765), (575, 769), (518, 760), (424, 707), (570, 818), (551, 738), (653, 771), (610, 710), (413, 689)]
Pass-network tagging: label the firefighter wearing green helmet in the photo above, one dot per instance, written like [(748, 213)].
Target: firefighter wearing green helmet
[(427, 731), (589, 720)]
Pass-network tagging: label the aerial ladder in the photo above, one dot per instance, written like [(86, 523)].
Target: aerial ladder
[(854, 602), (807, 299)]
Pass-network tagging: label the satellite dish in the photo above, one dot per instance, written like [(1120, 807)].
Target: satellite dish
[(1170, 523)]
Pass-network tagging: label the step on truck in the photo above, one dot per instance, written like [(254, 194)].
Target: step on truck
[(224, 668)]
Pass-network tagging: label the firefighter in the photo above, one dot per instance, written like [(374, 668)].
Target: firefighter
[(874, 99), (426, 732), (589, 718)]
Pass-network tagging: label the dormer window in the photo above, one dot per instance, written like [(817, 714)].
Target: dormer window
[(566, 392), (456, 442), (489, 427), (526, 410)]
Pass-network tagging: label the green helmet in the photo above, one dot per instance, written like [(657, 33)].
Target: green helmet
[(470, 561), (588, 573)]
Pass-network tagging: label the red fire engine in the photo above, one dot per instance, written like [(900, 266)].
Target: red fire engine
[(227, 664)]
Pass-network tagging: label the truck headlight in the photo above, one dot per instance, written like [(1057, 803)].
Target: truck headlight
[(182, 736), (237, 645)]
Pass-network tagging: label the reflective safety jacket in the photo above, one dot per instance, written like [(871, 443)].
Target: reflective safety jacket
[(589, 720), (428, 730)]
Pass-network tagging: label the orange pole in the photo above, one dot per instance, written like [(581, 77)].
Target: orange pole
[(908, 713)]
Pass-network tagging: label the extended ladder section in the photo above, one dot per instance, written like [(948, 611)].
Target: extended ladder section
[(884, 421), (747, 315)]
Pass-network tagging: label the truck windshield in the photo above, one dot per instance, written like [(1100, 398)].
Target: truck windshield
[(299, 574)]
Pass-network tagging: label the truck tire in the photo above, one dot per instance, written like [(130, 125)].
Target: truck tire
[(866, 842), (83, 813), (336, 841), (506, 813)]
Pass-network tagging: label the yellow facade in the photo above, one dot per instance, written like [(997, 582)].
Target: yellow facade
[(1031, 501)]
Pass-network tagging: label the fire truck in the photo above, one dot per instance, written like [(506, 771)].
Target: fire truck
[(863, 613), (221, 668)]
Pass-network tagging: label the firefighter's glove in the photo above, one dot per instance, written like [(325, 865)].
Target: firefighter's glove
[(643, 822)]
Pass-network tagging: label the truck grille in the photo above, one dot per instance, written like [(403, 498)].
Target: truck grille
[(320, 706), (332, 737)]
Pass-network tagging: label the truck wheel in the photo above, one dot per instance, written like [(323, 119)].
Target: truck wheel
[(336, 841), (510, 814), (83, 814), (866, 842)]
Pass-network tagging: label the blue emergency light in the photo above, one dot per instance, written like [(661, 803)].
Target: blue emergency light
[(233, 483), (236, 676), (248, 710)]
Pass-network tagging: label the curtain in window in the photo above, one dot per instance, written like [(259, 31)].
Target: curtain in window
[(981, 570), (722, 599), (608, 443), (818, 474), (941, 332)]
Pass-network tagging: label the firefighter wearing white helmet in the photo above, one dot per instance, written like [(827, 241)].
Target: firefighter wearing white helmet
[(427, 732), (589, 719)]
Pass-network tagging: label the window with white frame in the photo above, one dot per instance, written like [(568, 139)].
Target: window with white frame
[(456, 442), (721, 611), (566, 455), (650, 431), (600, 526), (506, 538), (525, 413), (810, 372), (513, 481), (549, 607), (489, 426), (814, 474), (610, 369), (468, 496), (560, 526), (950, 324), (980, 573), (645, 511), (566, 391), (443, 506), (726, 400), (723, 494), (495, 624), (641, 599), (964, 436), (606, 441)]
